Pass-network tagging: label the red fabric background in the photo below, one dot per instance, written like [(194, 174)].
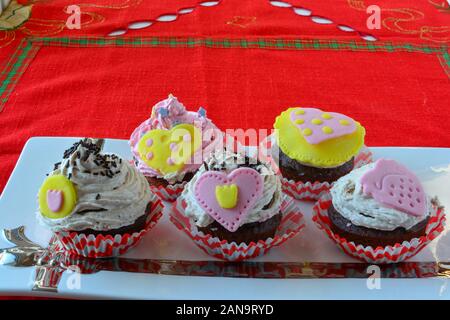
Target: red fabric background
[(401, 98)]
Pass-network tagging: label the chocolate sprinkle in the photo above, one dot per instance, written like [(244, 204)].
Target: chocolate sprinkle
[(56, 166), (93, 147), (91, 210)]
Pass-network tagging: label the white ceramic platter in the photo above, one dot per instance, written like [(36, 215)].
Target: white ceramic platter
[(18, 205)]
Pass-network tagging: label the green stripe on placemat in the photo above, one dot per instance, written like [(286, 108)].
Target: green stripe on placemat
[(14, 69), (29, 47), (299, 44)]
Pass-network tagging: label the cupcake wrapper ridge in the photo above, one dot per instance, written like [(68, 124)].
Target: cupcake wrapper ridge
[(291, 224), (314, 190), (379, 255), (101, 246), (170, 192)]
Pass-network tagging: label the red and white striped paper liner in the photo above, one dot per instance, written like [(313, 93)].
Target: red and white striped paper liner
[(101, 246), (389, 254), (291, 224), (300, 190), (314, 190), (168, 193)]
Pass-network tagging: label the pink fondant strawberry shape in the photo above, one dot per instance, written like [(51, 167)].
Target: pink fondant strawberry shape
[(393, 185), (211, 191)]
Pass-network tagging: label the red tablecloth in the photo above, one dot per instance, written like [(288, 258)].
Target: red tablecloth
[(244, 61)]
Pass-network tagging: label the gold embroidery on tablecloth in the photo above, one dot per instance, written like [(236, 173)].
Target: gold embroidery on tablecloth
[(6, 37), (240, 21), (50, 27), (402, 16), (124, 5), (442, 5)]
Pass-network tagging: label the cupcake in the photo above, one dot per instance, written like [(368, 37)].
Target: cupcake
[(314, 148), (234, 201), (171, 145), (97, 204), (381, 206)]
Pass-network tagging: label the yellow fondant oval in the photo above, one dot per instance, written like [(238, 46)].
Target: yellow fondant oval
[(65, 189)]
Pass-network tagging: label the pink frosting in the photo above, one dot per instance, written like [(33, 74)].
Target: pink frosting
[(331, 121), (250, 188), (393, 185), (175, 113)]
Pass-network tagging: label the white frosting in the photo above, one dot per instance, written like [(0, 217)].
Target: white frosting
[(230, 161), (362, 210), (123, 196)]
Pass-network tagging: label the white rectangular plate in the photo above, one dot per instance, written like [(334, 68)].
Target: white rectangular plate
[(18, 206)]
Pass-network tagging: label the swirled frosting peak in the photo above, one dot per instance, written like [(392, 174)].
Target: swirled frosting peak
[(110, 192)]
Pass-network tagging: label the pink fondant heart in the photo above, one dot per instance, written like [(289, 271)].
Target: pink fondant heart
[(54, 200), (250, 188), (303, 119), (395, 186)]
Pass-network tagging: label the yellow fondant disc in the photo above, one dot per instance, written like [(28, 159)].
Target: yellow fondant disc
[(62, 188)]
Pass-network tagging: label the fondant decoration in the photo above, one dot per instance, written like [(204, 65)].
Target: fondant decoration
[(327, 130), (57, 197), (169, 150), (55, 200), (202, 112), (227, 196), (316, 120), (393, 185), (249, 188), (164, 112), (320, 139)]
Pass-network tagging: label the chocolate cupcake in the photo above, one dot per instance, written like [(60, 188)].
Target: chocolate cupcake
[(314, 148), (234, 198), (171, 145), (95, 195), (380, 204)]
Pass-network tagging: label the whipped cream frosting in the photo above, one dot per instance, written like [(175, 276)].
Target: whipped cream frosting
[(363, 210), (111, 193), (175, 113), (265, 207)]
